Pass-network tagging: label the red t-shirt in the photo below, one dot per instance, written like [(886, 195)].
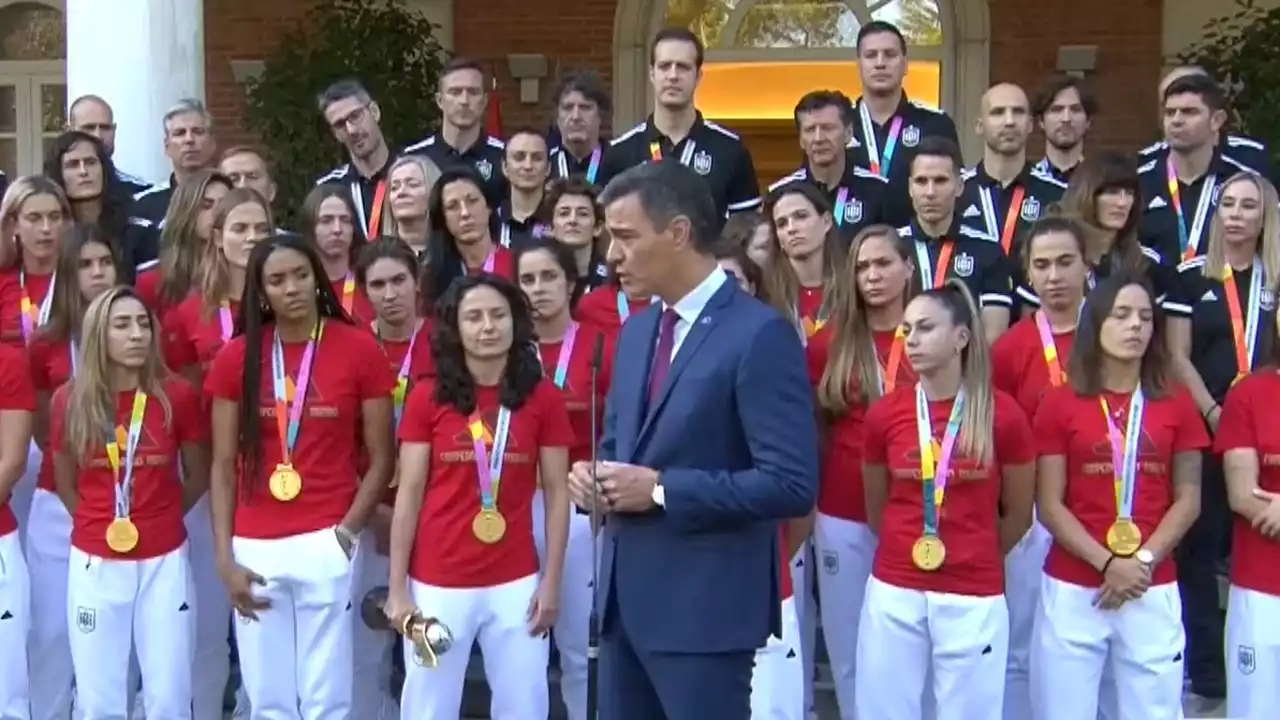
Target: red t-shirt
[(599, 308), (348, 368), (445, 552), (11, 302), (840, 491), (50, 370), (809, 307), (193, 333), (157, 489), (1018, 366), (577, 384), (503, 265), (16, 393), (1249, 419), (969, 519), (361, 310), (1072, 426), (420, 366)]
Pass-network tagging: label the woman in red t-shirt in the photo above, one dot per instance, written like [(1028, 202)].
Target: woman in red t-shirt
[(464, 232), (1250, 447), (474, 442), (328, 220), (386, 271), (17, 407), (857, 358), (948, 468), (184, 241), (32, 216), (609, 306), (801, 282), (88, 267), (547, 274), (127, 497), (1119, 484), (200, 325), (1026, 361), (577, 221), (295, 396)]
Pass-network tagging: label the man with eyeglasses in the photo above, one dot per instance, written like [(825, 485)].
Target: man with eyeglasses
[(353, 117), (92, 115)]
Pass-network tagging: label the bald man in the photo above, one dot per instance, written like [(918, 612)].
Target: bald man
[(91, 114), (1247, 151), (1004, 193)]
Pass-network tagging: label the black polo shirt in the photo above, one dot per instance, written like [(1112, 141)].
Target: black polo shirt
[(897, 141), (565, 165), (1204, 300), (513, 230), (1161, 227), (484, 156), (1062, 175), (1160, 271), (140, 246), (364, 193), (1248, 151), (965, 253), (1001, 217), (860, 199), (713, 152), (132, 183)]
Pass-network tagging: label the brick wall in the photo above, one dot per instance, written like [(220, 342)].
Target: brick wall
[(579, 34)]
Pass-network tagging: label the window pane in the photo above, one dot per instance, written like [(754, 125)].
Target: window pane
[(31, 31), (8, 109), (9, 157), (918, 20), (53, 107), (706, 18), (798, 24)]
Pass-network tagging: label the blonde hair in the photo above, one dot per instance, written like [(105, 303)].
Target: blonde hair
[(1215, 259), (181, 249), (91, 401), (977, 420), (852, 354), (430, 175), (19, 192), (215, 282)]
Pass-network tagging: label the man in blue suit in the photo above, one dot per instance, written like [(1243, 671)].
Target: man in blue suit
[(709, 445)]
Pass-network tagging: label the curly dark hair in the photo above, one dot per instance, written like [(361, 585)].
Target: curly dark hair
[(255, 314), (454, 384)]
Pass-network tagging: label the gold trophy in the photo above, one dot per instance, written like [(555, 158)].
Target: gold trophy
[(430, 637)]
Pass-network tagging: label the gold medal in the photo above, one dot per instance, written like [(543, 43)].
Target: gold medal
[(122, 535), (489, 526), (928, 552), (1124, 538), (286, 483)]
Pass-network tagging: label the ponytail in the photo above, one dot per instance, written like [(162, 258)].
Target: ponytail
[(978, 419)]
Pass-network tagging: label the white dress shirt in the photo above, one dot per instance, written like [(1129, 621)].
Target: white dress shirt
[(690, 307)]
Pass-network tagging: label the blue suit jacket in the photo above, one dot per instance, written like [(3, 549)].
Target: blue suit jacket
[(733, 436)]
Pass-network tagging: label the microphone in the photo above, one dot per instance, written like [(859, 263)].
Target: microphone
[(593, 621)]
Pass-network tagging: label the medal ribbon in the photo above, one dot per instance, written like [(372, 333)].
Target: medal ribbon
[(1050, 349), (880, 164), (810, 326), (889, 373), (1189, 239), (348, 291), (402, 376), (566, 352), (1244, 328), (489, 468), (224, 320), (624, 308), (933, 276), (1124, 452), (593, 168), (117, 437), (288, 429), (933, 470), (375, 217), (842, 197), (32, 317), (655, 151)]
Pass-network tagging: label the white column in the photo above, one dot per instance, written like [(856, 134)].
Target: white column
[(141, 56)]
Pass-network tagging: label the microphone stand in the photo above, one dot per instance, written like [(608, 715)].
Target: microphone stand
[(593, 620)]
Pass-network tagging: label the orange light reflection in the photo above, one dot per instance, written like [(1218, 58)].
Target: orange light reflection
[(769, 90)]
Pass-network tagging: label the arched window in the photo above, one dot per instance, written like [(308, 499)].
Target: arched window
[(33, 95), (762, 55)]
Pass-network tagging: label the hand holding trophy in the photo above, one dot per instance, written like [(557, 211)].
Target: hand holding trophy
[(430, 637)]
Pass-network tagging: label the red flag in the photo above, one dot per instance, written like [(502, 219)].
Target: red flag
[(493, 113)]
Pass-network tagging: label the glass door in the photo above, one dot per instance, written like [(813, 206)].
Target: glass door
[(33, 111), (49, 114), (12, 106)]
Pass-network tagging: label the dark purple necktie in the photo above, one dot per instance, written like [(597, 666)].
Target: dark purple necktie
[(662, 353)]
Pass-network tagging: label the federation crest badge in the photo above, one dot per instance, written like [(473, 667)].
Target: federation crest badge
[(853, 211), (911, 136), (1246, 660), (963, 265), (1267, 300), (830, 562), (86, 619), (1030, 209), (702, 162), (485, 168)]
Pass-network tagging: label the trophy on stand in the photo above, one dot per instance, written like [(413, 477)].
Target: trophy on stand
[(430, 637)]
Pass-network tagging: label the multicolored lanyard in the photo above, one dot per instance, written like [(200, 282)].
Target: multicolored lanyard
[(1050, 350), (624, 308), (933, 276), (880, 164), (1010, 226), (348, 292), (289, 397), (489, 261), (401, 390), (593, 167), (118, 436), (32, 317), (1244, 324), (842, 198), (1124, 452), (934, 467), (1189, 239), (373, 224), (686, 155), (889, 372), (489, 467), (566, 353), (224, 320)]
